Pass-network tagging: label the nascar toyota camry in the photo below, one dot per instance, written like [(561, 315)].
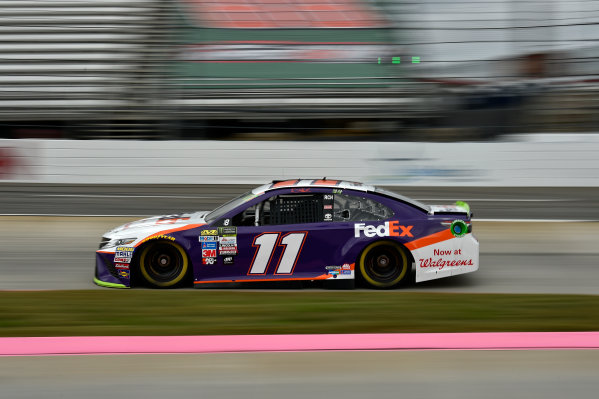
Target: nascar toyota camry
[(299, 229)]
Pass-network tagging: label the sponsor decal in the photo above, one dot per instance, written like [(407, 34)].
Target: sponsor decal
[(123, 273), (158, 237), (208, 253), (346, 271), (227, 240), (232, 250), (209, 232), (121, 265), (209, 245), (337, 191), (346, 266), (131, 249), (389, 229), (227, 231), (301, 190), (442, 263), (333, 270), (208, 238), (327, 203), (208, 261), (228, 260), (123, 254)]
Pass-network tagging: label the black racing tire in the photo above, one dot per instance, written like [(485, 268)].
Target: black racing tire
[(384, 264), (163, 264)]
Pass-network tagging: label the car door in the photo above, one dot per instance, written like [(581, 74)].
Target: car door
[(285, 236)]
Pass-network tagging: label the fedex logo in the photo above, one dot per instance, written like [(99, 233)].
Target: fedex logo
[(389, 229)]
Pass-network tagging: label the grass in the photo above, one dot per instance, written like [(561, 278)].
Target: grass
[(207, 312)]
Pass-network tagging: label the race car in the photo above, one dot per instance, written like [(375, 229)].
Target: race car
[(300, 229)]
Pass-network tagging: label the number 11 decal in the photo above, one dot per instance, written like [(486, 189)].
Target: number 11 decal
[(267, 243)]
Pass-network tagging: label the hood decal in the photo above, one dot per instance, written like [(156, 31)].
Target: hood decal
[(163, 232)]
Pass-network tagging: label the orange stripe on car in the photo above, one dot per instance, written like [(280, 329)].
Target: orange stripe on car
[(443, 235), (326, 182), (285, 183), (321, 277)]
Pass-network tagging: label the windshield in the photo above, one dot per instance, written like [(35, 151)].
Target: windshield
[(407, 200), (228, 206)]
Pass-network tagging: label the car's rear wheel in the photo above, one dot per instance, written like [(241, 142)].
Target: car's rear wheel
[(384, 264), (163, 264)]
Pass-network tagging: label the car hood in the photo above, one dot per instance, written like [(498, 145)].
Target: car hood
[(145, 227)]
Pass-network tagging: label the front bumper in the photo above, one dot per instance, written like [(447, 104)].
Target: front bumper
[(108, 275)]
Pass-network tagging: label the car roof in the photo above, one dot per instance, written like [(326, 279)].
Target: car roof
[(339, 184), (315, 183)]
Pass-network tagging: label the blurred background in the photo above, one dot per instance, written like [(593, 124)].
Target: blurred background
[(393, 70), (123, 109)]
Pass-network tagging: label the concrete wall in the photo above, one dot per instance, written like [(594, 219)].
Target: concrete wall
[(535, 160)]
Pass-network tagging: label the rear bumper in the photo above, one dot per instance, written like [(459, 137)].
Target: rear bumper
[(457, 255)]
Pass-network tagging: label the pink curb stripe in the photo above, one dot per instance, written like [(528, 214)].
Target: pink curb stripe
[(30, 346)]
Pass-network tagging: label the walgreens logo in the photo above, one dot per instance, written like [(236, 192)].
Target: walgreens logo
[(389, 229)]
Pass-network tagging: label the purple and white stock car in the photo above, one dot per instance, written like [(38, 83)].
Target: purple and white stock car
[(294, 230)]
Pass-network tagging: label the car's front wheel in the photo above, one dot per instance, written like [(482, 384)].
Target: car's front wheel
[(384, 264), (163, 264)]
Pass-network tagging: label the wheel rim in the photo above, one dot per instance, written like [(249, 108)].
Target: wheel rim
[(383, 264), (163, 264)]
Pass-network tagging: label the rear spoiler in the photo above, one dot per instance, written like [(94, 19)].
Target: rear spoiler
[(459, 208)]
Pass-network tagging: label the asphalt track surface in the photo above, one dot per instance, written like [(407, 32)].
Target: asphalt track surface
[(57, 252), (538, 374)]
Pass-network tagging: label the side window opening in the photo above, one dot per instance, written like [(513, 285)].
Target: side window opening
[(245, 218), (350, 208), (283, 209), (258, 214), (293, 209)]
